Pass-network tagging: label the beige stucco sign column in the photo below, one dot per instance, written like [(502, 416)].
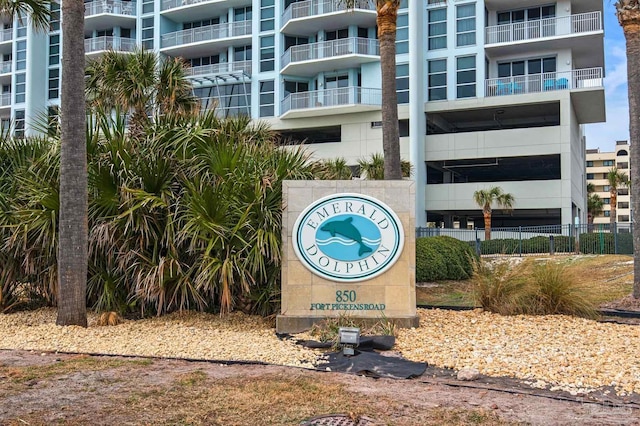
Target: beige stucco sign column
[(348, 249)]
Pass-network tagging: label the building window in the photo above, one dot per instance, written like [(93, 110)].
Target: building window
[(267, 98), (54, 49), (147, 6), (52, 120), (267, 15), (623, 218), (206, 60), (437, 80), (21, 55), (589, 163), (242, 14), (242, 53), (267, 54), (402, 83), (590, 176), (522, 15), (466, 77), (607, 213), (528, 67), (147, 33), (623, 205), (623, 191), (54, 83), (402, 34), (437, 29), (606, 201), (54, 17), (623, 165), (606, 188), (19, 123), (21, 87), (608, 163), (466, 25), (198, 24)]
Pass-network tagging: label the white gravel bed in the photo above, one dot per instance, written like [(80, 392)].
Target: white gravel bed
[(555, 351), (235, 337)]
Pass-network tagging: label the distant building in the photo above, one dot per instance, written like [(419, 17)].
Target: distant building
[(598, 166)]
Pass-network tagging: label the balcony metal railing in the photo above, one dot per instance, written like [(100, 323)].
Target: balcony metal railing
[(226, 106), (110, 6), (549, 27), (119, 44), (545, 82), (225, 68), (304, 9), (332, 98), (6, 34), (210, 32), (170, 4), (5, 67), (5, 99), (331, 49)]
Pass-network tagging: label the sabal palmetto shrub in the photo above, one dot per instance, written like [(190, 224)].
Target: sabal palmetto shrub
[(28, 221), (187, 217)]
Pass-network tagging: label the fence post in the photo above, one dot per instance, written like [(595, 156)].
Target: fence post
[(478, 250), (520, 239), (551, 247), (615, 237)]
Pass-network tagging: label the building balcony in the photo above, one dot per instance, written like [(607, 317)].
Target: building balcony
[(5, 67), (5, 100), (310, 59), (544, 28), (95, 46), (100, 14), (193, 10), (582, 33), (227, 68), (309, 17), (341, 100), (6, 38), (206, 40), (586, 87)]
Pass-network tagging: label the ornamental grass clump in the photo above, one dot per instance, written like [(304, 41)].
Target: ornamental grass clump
[(547, 288)]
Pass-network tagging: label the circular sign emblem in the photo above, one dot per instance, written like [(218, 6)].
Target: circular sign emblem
[(348, 237)]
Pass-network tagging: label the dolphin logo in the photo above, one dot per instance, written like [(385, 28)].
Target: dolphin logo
[(346, 229)]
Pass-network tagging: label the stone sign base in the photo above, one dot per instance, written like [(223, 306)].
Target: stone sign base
[(307, 296)]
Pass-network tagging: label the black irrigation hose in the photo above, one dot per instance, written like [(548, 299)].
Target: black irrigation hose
[(608, 403), (603, 312)]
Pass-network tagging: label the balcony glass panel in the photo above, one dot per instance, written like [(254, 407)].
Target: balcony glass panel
[(207, 33), (535, 83)]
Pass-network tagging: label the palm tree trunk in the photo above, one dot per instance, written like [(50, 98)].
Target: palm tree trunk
[(630, 21), (613, 200), (72, 252), (487, 225), (386, 20)]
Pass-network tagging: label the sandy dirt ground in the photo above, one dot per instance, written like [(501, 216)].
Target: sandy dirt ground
[(109, 395)]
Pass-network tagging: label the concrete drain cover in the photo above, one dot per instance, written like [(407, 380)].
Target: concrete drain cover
[(337, 420)]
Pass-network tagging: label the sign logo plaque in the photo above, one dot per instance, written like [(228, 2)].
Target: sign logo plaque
[(348, 237)]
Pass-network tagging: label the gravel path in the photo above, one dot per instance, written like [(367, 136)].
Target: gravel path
[(556, 352)]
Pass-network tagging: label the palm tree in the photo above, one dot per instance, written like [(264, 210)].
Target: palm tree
[(142, 83), (628, 12), (595, 205), (386, 20), (73, 223), (374, 167), (616, 179), (485, 198)]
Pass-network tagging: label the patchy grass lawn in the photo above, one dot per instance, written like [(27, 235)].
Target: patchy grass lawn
[(609, 278)]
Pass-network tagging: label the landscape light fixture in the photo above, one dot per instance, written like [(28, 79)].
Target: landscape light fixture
[(348, 339)]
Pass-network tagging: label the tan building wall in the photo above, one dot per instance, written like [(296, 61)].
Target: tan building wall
[(598, 166)]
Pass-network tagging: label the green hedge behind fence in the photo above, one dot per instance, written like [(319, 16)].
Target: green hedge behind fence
[(443, 258), (590, 243)]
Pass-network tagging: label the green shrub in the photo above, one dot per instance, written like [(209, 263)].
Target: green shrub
[(540, 244), (605, 243), (443, 258)]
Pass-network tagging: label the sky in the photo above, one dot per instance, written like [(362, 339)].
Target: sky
[(605, 135)]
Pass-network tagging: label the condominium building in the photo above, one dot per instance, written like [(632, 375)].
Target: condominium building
[(598, 166), (500, 89)]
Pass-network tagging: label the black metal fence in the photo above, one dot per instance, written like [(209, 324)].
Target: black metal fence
[(549, 239)]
